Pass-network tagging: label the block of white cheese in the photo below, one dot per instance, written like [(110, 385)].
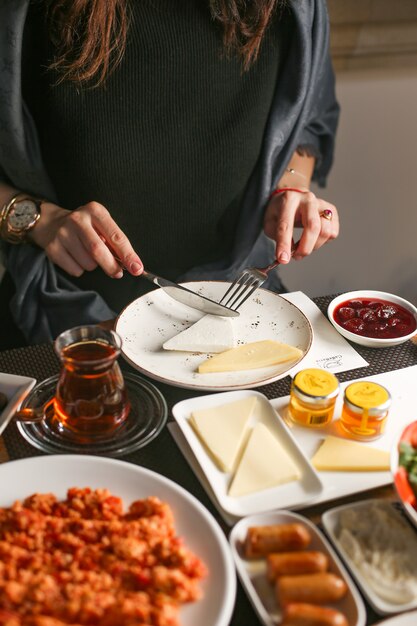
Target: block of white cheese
[(222, 430), (251, 356), (212, 333), (265, 463), (343, 455)]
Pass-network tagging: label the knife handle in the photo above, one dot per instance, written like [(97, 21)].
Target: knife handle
[(153, 278), (149, 276)]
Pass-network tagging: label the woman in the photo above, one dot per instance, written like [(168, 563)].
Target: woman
[(156, 132)]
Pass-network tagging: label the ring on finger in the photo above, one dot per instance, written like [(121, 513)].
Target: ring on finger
[(327, 214)]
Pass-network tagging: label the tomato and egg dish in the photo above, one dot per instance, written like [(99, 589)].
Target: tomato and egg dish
[(372, 317), (83, 561)]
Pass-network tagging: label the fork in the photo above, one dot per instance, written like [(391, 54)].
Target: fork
[(247, 282)]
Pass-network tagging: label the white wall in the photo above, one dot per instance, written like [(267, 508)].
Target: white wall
[(374, 185)]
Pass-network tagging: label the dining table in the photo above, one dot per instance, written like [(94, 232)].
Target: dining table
[(162, 455)]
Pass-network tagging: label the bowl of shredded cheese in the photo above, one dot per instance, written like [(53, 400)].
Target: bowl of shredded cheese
[(380, 548)]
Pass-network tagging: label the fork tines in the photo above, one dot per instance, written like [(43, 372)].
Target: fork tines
[(242, 288)]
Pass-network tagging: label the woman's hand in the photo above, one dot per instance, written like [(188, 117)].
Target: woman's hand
[(84, 239), (290, 209)]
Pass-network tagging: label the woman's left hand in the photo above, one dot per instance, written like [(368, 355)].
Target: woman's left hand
[(289, 209)]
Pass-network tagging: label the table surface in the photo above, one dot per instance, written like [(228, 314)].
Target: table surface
[(163, 456)]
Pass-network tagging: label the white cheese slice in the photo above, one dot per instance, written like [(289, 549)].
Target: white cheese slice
[(265, 463), (251, 356), (212, 333), (222, 430), (343, 455)]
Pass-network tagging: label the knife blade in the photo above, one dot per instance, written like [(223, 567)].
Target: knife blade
[(188, 297), (184, 295)]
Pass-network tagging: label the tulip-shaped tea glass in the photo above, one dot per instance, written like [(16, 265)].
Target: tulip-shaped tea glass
[(90, 399), (90, 407)]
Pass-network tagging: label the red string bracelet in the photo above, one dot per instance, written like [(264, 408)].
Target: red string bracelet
[(281, 189)]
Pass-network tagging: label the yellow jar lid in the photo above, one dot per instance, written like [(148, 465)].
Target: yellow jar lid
[(367, 395), (316, 382)]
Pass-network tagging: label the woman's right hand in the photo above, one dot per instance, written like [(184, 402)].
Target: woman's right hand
[(84, 239)]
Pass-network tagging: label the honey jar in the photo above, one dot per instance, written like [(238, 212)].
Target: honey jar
[(313, 397), (365, 409)]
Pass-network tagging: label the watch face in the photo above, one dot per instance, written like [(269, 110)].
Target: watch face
[(23, 214)]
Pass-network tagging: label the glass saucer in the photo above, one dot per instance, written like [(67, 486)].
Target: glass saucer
[(147, 417)]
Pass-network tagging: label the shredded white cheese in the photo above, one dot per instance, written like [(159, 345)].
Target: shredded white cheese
[(383, 547)]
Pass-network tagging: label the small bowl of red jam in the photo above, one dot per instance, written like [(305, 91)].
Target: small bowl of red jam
[(375, 319)]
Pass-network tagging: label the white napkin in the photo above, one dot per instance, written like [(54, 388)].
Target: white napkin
[(330, 350)]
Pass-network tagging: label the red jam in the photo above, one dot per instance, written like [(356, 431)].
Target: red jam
[(372, 317)]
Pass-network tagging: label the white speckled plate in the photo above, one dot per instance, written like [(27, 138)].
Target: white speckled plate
[(146, 323)]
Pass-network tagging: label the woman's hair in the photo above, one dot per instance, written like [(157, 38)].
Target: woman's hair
[(90, 35)]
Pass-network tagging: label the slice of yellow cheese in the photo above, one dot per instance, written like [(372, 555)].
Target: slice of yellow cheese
[(343, 455), (222, 430), (251, 356), (265, 463)]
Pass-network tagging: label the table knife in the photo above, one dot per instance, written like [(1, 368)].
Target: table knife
[(188, 297)]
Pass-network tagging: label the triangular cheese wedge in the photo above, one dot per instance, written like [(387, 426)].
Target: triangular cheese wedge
[(211, 333), (222, 429), (251, 356), (342, 455), (265, 463)]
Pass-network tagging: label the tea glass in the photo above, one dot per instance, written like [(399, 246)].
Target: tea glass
[(90, 399)]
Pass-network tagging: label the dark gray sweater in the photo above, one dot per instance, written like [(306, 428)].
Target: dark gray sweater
[(303, 111), (167, 144)]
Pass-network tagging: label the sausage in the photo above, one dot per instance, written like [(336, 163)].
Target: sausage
[(310, 615), (261, 540), (291, 563), (311, 588)]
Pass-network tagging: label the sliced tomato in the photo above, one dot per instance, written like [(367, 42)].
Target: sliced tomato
[(403, 487), (409, 434)]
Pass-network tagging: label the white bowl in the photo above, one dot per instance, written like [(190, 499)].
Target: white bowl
[(371, 342)]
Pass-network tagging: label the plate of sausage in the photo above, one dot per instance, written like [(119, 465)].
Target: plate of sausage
[(291, 573)]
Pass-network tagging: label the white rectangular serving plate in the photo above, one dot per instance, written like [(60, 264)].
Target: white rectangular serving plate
[(252, 573), (292, 494), (330, 520), (401, 385), (16, 388)]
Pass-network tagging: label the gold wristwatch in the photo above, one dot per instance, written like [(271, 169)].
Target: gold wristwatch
[(18, 217)]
